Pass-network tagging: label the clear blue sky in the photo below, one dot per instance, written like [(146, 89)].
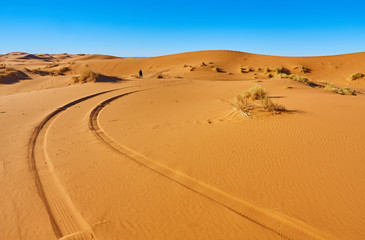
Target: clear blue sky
[(151, 28)]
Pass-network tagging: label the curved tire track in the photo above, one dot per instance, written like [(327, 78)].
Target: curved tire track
[(66, 221), (284, 226)]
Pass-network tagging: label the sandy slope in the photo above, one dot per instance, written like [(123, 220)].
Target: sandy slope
[(171, 158)]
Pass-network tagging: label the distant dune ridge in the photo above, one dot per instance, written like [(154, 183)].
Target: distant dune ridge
[(336, 69), (205, 145)]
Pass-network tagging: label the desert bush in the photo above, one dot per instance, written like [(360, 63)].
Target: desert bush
[(343, 91), (281, 75), (355, 76), (302, 69), (88, 76), (280, 70), (256, 99), (203, 64), (11, 74), (255, 93), (159, 76), (246, 69), (270, 106), (45, 71), (52, 65), (217, 69), (288, 87), (300, 79)]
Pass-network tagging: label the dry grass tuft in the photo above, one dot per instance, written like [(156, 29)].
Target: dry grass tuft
[(8, 74), (217, 69), (45, 71), (256, 99), (355, 76), (160, 76), (288, 87), (88, 76), (343, 91), (255, 93), (246, 69), (279, 70), (302, 69)]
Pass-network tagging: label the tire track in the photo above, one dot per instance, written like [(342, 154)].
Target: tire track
[(284, 226), (66, 221)]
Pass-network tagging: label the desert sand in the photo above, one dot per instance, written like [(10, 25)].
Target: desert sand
[(109, 155)]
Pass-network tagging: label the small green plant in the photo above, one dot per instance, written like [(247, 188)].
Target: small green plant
[(355, 76)]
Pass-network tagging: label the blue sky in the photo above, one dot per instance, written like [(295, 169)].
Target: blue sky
[(152, 28)]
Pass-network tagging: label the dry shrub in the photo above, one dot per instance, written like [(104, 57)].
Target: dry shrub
[(217, 69), (256, 99), (159, 76), (88, 76), (270, 106), (10, 74), (343, 91), (355, 76), (45, 71), (255, 93), (246, 69), (203, 64), (302, 69), (280, 70)]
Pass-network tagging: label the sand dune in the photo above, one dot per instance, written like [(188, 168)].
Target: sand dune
[(167, 156)]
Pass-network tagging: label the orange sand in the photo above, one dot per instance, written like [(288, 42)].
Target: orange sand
[(171, 158)]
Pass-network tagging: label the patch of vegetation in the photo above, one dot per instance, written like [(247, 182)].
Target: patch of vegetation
[(159, 76), (355, 76), (90, 76), (8, 74), (255, 93), (343, 91), (246, 69), (217, 69), (288, 87), (302, 69), (203, 64), (256, 99), (45, 71), (279, 70), (52, 65), (297, 78)]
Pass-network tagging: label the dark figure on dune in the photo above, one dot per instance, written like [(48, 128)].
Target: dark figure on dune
[(140, 73)]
